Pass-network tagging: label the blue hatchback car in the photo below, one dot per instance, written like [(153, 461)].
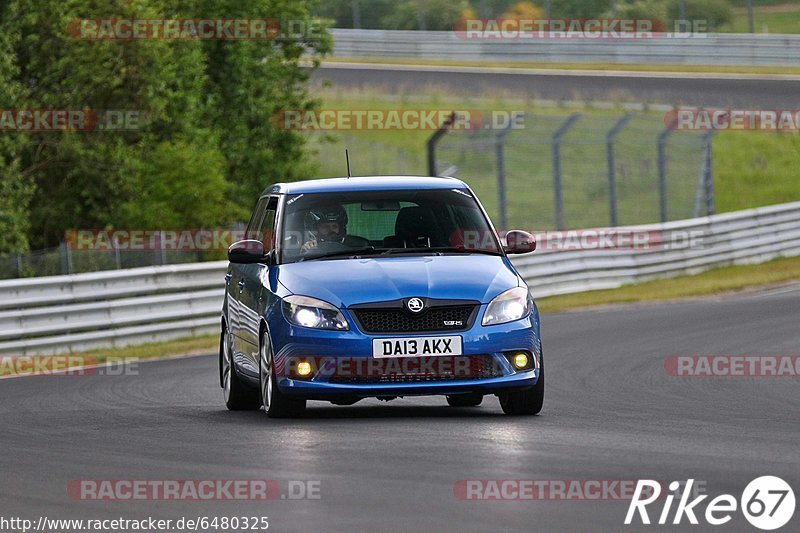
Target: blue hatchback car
[(383, 287)]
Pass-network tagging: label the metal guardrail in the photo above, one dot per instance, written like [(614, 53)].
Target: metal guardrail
[(723, 48), (107, 309), (742, 237), (84, 311)]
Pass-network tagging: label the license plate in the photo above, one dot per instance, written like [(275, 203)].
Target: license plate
[(416, 346)]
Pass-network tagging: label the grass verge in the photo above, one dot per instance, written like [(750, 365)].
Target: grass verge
[(203, 344), (716, 281), (620, 67)]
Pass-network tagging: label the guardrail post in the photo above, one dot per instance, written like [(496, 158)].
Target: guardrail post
[(612, 175), (662, 168), (555, 143), (434, 140), (708, 173), (499, 147)]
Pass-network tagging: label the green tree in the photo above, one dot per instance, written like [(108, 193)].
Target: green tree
[(208, 146), (15, 188), (250, 83)]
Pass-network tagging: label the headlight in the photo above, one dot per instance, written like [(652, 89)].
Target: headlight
[(312, 313), (508, 306)]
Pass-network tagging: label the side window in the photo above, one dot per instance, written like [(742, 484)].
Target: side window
[(266, 228), (255, 219), (262, 224)]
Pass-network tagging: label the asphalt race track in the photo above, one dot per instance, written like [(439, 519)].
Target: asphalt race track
[(611, 412), (747, 91)]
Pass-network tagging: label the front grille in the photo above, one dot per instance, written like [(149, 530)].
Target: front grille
[(413, 370), (388, 320)]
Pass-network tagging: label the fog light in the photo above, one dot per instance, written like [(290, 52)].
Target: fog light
[(303, 369), (520, 360)]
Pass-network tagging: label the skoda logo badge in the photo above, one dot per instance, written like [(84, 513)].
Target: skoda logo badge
[(415, 305)]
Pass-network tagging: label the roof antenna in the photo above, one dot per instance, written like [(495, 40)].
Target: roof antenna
[(347, 156)]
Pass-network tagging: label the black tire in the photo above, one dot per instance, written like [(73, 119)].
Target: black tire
[(528, 401), (465, 400), (237, 395), (275, 403)]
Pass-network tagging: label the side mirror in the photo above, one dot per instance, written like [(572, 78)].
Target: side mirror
[(248, 252), (519, 242)]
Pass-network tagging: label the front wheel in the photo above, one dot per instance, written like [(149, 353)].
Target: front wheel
[(238, 397), (528, 401), (276, 404)]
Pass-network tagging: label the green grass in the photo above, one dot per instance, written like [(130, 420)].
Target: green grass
[(751, 168), (719, 280), (772, 19), (631, 67)]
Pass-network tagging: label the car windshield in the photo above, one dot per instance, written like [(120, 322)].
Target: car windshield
[(373, 223)]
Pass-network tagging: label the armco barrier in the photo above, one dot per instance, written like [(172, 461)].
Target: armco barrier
[(721, 49), (71, 313)]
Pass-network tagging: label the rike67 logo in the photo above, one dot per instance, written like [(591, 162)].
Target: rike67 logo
[(767, 503)]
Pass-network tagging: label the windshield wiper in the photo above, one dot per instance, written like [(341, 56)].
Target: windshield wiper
[(438, 250), (342, 253)]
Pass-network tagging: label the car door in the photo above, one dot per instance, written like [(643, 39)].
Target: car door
[(251, 283), (235, 275)]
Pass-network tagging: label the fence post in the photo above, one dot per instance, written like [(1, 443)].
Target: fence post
[(612, 176), (158, 258), (19, 266), (708, 173), (555, 143), (434, 140), (499, 147), (117, 254), (66, 267), (662, 168)]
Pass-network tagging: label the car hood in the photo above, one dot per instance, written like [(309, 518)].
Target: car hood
[(355, 281)]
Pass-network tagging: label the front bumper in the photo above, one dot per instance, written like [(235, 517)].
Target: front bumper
[(292, 342)]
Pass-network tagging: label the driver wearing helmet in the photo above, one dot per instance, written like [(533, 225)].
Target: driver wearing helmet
[(326, 224)]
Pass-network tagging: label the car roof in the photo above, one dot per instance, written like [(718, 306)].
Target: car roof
[(366, 183)]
